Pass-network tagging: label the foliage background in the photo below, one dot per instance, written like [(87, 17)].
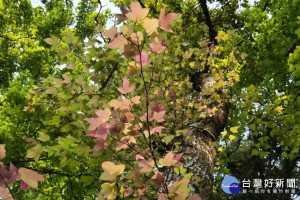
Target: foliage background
[(264, 106)]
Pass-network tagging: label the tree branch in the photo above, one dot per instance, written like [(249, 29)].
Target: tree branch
[(212, 31), (143, 5), (292, 47), (110, 76), (266, 5), (52, 171)]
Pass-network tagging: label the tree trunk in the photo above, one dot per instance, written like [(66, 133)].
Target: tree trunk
[(200, 149)]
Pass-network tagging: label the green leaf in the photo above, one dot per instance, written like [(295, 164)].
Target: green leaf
[(35, 152), (188, 175), (43, 136), (168, 139)]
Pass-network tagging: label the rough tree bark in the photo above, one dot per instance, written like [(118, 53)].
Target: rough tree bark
[(200, 149)]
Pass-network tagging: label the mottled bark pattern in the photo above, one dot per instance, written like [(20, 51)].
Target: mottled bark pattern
[(200, 148)]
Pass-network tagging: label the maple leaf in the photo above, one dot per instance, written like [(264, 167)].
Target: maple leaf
[(100, 143), (30, 177), (180, 189), (5, 193), (24, 186), (133, 69), (127, 116), (103, 114), (156, 108), (111, 33), (70, 37), (51, 91), (157, 47), (8, 177), (168, 160), (136, 177), (166, 20), (158, 179), (120, 104), (137, 38), (150, 116), (234, 129), (94, 123), (157, 129), (136, 99), (122, 17), (126, 88), (109, 190), (111, 171), (159, 116), (2, 151), (126, 29), (145, 165), (117, 42), (171, 160), (129, 50), (132, 130), (116, 128), (101, 132), (162, 196), (67, 79), (150, 25), (35, 152), (124, 142), (127, 192), (53, 41), (177, 158), (137, 12), (142, 58)]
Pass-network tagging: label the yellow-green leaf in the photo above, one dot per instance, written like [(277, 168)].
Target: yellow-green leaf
[(43, 136)]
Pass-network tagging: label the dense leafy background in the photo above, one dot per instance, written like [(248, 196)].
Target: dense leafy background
[(258, 42)]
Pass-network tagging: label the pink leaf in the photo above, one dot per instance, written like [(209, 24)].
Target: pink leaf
[(126, 88), (150, 116), (159, 116), (166, 20), (9, 176), (177, 158), (127, 192), (145, 165), (101, 132), (100, 143), (142, 58), (160, 93), (124, 142), (30, 177), (170, 94), (156, 108), (4, 193), (118, 42), (24, 186), (2, 151), (103, 114), (137, 12), (157, 47), (94, 123), (157, 129), (111, 33)]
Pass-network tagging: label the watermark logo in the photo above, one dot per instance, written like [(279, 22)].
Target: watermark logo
[(230, 185)]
